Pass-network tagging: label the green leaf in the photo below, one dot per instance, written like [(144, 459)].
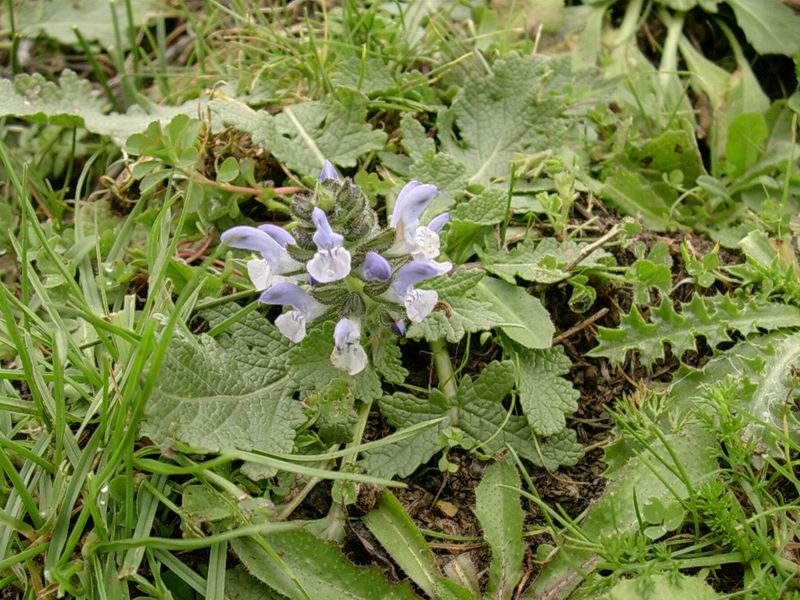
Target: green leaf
[(525, 320), (241, 586), (499, 511), (615, 513), (415, 140), (304, 135), (94, 19), (71, 103), (319, 567), (634, 195), (387, 358), (770, 402), (368, 76), (544, 394), (232, 393), (543, 263), (446, 173), (712, 317), (447, 589), (477, 411), (310, 368), (495, 116), (747, 133), (770, 26), (461, 313), (396, 532), (487, 208), (672, 150), (662, 587)]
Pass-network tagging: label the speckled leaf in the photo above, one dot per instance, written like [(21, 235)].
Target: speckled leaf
[(71, 102), (500, 514), (319, 567)]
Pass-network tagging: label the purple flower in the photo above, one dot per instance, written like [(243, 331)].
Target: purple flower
[(348, 355), (292, 323), (410, 237), (274, 261), (328, 172), (418, 303), (375, 268), (332, 260), (411, 202), (279, 234)]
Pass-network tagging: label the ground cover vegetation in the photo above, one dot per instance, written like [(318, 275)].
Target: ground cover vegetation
[(432, 299)]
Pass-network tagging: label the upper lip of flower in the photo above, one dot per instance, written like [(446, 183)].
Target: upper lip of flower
[(258, 240)]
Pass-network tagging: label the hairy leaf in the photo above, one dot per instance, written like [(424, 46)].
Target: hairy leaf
[(661, 587), (71, 103), (397, 533), (319, 569), (94, 19), (304, 135), (487, 208), (543, 263), (712, 317), (211, 396), (477, 412), (497, 115), (500, 514), (544, 394)]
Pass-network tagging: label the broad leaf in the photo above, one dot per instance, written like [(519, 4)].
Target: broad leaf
[(770, 26), (241, 586), (304, 135), (396, 532), (477, 415), (71, 103), (662, 587), (544, 394), (235, 394), (543, 263), (318, 569), (495, 116), (525, 320), (94, 19), (500, 514), (487, 208), (460, 311), (634, 195)]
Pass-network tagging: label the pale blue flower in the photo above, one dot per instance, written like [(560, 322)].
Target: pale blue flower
[(275, 260), (305, 308), (348, 355), (332, 260), (418, 303), (375, 268), (421, 242), (328, 172)]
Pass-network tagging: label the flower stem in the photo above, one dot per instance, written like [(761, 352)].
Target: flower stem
[(444, 368)]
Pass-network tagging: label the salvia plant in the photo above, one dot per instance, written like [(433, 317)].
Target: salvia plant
[(335, 260)]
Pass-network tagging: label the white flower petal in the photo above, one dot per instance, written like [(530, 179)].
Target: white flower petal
[(292, 324), (426, 244), (260, 273), (420, 303), (330, 265), (350, 358)]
